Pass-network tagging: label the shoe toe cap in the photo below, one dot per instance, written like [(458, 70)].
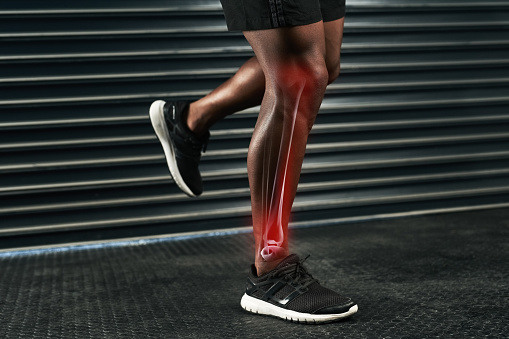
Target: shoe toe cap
[(190, 176), (337, 309)]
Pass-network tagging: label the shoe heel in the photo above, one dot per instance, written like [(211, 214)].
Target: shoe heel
[(157, 119)]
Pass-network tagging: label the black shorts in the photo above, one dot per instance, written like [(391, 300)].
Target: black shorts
[(249, 15)]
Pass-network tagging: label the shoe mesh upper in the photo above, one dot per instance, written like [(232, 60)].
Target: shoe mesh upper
[(186, 145), (314, 299)]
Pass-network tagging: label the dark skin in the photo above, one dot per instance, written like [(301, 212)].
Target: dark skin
[(288, 78), (246, 88)]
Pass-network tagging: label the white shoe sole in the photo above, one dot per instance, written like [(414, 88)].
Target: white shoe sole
[(258, 306), (159, 125)]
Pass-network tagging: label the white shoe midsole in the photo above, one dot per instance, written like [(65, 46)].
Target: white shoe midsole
[(262, 307)]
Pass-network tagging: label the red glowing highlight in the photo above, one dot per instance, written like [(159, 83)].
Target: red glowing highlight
[(278, 198)]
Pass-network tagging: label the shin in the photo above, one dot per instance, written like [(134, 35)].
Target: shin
[(295, 80), (274, 218)]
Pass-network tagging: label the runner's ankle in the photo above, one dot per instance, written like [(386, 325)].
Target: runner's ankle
[(193, 123), (263, 267)]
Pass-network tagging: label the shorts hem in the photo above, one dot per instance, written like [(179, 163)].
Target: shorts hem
[(266, 23), (252, 15)]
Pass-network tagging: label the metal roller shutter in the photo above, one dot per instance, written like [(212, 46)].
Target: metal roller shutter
[(417, 122)]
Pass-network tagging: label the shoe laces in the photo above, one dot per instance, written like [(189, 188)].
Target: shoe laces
[(196, 147), (297, 275)]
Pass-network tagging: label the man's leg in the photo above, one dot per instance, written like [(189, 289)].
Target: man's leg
[(183, 128), (296, 75), (333, 31), (246, 88), (293, 61)]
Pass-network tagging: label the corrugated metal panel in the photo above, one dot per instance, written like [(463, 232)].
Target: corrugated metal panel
[(418, 120)]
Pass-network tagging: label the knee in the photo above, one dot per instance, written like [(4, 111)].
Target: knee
[(316, 77), (298, 87), (310, 78)]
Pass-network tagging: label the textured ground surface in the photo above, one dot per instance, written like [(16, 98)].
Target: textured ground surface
[(424, 277)]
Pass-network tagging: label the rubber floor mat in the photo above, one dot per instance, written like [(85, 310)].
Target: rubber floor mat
[(441, 276)]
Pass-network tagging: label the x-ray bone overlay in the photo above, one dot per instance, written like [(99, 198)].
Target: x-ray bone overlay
[(273, 236)]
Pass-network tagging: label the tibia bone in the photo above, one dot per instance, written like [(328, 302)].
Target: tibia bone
[(274, 238)]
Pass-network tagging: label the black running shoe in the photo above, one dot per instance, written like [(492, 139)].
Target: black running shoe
[(182, 147), (291, 293)]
